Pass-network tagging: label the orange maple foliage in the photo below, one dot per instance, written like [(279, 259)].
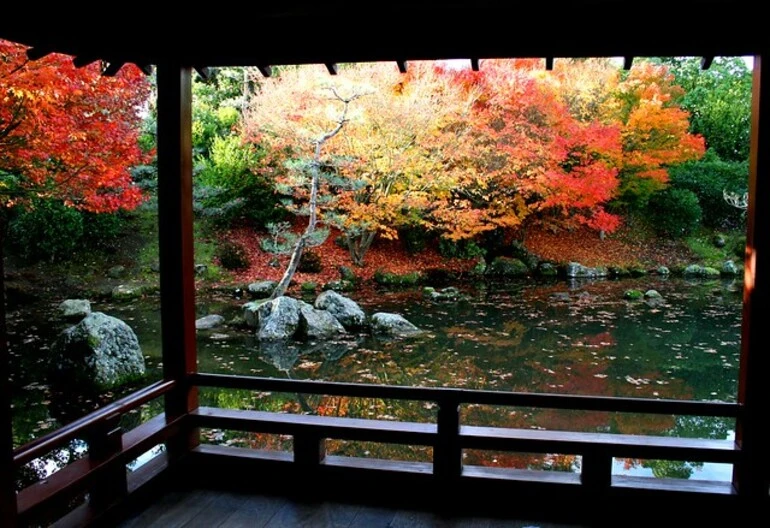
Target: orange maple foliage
[(68, 132)]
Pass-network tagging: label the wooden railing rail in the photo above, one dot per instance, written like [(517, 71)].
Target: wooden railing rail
[(81, 427), (450, 396)]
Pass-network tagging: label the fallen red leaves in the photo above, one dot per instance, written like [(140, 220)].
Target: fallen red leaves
[(385, 255)]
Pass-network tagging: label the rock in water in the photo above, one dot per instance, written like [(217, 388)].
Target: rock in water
[(100, 352), (261, 289), (389, 324), (729, 268), (278, 319), (317, 324), (345, 310), (208, 322), (74, 309), (575, 270), (251, 312)]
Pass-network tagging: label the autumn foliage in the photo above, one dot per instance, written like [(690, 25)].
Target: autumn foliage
[(459, 152), (68, 132)]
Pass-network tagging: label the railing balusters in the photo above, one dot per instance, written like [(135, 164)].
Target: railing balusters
[(447, 455), (105, 441)]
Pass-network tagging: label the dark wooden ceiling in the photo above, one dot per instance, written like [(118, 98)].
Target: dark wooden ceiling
[(336, 31)]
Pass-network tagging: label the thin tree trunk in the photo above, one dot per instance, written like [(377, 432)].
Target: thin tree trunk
[(315, 170)]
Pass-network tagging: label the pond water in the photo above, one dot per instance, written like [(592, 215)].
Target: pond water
[(559, 337)]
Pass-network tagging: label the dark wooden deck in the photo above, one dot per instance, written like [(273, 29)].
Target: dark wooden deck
[(218, 509)]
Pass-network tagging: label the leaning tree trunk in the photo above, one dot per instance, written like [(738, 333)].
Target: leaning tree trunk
[(358, 246), (315, 170)]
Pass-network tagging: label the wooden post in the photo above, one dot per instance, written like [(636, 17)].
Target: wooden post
[(104, 442), (751, 475), (309, 450), (596, 471), (175, 217), (447, 455), (7, 470)]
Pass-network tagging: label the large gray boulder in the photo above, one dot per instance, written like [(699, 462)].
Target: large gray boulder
[(317, 324), (251, 312), (278, 319), (394, 325), (209, 322), (575, 270), (100, 352), (74, 309), (261, 289), (345, 310)]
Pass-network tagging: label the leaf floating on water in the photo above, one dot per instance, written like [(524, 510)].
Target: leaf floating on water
[(600, 376)]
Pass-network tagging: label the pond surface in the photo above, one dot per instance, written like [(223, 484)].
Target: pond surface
[(558, 337)]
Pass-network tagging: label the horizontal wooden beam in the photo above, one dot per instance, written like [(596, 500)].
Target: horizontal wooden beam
[(628, 62), (463, 396), (84, 60), (401, 66), (475, 64), (266, 71), (549, 63), (705, 62), (618, 445), (332, 68), (112, 69), (203, 72), (146, 69), (34, 54), (320, 426)]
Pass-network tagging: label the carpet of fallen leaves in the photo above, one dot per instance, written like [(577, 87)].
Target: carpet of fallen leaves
[(627, 247), (385, 255)]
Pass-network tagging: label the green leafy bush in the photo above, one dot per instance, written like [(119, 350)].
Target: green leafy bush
[(414, 238), (463, 249), (48, 230), (674, 212), (708, 179), (310, 262), (103, 230), (232, 256), (227, 190)]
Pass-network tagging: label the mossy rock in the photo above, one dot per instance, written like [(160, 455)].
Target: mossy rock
[(385, 278), (619, 271), (507, 267), (129, 292), (339, 286), (710, 273), (633, 295), (308, 287), (546, 269), (347, 274), (637, 271)]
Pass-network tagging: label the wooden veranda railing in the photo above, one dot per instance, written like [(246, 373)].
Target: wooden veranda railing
[(102, 473)]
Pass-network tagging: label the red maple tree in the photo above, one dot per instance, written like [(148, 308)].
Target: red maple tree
[(68, 133)]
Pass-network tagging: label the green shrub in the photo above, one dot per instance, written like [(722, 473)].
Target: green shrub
[(708, 179), (386, 278), (102, 230), (462, 249), (310, 263), (48, 230), (232, 256), (228, 191), (414, 238), (674, 212)]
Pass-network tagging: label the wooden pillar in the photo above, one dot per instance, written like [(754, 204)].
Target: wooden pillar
[(175, 217), (7, 471), (751, 475)]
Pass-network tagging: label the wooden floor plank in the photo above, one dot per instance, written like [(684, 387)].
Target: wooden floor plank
[(182, 512), (314, 515), (217, 511), (141, 519), (255, 512), (373, 518)]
